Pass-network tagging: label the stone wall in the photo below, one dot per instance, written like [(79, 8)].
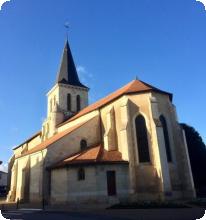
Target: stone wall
[(114, 126), (163, 178), (27, 146), (179, 169), (21, 177), (70, 143), (36, 176), (66, 188), (57, 107)]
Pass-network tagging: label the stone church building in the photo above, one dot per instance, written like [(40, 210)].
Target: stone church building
[(127, 146)]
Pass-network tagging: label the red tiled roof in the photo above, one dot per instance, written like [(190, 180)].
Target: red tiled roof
[(52, 139), (92, 155), (135, 86)]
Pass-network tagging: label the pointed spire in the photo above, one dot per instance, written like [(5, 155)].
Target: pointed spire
[(67, 72)]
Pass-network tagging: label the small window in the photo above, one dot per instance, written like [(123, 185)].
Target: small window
[(81, 174), (83, 144), (69, 102), (78, 103)]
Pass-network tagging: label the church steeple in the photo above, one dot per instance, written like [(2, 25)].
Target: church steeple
[(67, 97), (67, 72)]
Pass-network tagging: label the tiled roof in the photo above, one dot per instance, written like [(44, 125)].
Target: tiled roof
[(135, 86), (92, 155), (53, 139)]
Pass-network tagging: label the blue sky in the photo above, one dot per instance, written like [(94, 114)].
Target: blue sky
[(160, 41)]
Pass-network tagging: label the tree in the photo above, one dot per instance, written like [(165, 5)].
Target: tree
[(197, 154)]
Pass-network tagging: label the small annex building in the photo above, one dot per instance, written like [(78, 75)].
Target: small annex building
[(3, 182), (127, 146)]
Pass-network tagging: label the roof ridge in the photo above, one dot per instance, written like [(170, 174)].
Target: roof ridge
[(135, 86)]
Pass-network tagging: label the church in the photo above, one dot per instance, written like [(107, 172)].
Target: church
[(126, 147)]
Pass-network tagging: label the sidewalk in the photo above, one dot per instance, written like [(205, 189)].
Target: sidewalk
[(111, 214), (94, 208), (52, 208)]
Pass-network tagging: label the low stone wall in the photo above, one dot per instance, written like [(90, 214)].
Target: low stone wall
[(67, 189)]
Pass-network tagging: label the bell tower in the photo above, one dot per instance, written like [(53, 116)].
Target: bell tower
[(67, 97)]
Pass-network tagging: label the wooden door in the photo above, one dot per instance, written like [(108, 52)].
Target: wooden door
[(111, 183)]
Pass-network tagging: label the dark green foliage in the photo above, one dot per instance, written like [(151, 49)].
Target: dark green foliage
[(200, 202), (197, 154)]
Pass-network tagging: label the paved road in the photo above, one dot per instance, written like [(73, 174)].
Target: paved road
[(137, 214)]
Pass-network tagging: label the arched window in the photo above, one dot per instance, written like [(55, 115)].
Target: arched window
[(69, 102), (78, 103), (81, 174), (83, 144), (142, 141), (166, 137)]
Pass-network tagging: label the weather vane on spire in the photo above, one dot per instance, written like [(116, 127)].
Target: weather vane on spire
[(66, 25)]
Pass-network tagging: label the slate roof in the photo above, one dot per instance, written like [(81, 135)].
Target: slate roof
[(91, 155), (67, 72), (135, 86)]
